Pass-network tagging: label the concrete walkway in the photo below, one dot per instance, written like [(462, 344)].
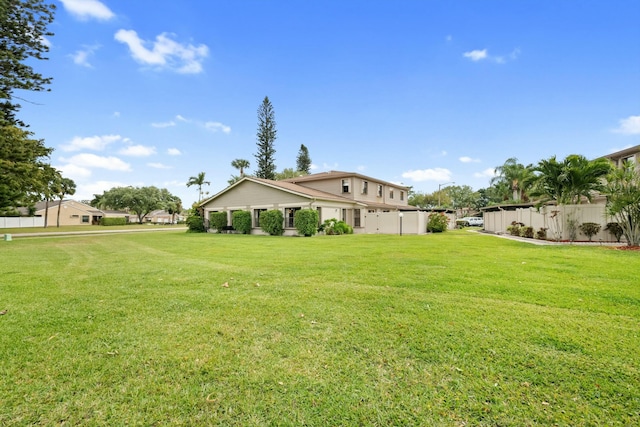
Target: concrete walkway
[(90, 232), (547, 242)]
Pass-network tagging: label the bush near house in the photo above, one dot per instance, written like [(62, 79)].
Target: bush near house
[(515, 228), (437, 222), (589, 229), (241, 221), (306, 221), (195, 223), (218, 220), (272, 222), (615, 229), (113, 221), (526, 232), (334, 227)]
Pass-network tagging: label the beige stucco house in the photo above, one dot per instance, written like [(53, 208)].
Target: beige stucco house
[(367, 204), (71, 213)]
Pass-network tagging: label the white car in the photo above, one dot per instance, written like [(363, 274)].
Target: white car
[(472, 221)]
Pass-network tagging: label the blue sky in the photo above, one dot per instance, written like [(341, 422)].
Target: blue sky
[(151, 92)]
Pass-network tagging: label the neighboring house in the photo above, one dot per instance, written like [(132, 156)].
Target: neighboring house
[(71, 213), (162, 217), (627, 155), (367, 204)]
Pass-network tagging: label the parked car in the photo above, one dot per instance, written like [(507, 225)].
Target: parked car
[(470, 221)]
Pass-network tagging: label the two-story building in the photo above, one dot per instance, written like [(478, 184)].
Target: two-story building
[(367, 204)]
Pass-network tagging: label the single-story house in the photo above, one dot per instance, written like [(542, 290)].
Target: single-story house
[(367, 204)]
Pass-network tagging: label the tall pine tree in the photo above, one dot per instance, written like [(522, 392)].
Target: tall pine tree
[(266, 137), (23, 29), (303, 162)]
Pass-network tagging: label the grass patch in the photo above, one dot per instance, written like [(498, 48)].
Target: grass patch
[(448, 329)]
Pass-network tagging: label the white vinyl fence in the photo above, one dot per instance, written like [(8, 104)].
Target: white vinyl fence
[(560, 221), (21, 221)]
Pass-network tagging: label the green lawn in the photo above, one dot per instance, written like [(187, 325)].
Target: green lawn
[(449, 329)]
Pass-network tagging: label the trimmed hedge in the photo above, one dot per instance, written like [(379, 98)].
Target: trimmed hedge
[(306, 221), (113, 221), (218, 220), (272, 222), (241, 221)]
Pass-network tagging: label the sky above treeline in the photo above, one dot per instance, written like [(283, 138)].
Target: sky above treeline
[(423, 93)]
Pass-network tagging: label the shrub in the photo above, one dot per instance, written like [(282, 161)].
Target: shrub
[(589, 229), (195, 223), (615, 229), (113, 221), (241, 221), (333, 227), (306, 221), (526, 232), (272, 222), (437, 222), (514, 228), (541, 233), (218, 220)]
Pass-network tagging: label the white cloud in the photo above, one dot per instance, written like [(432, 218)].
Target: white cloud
[(74, 171), (137, 151), (159, 166), (476, 55), (85, 9), (164, 52), (86, 160), (479, 55), (436, 174), (465, 159), (182, 119), (173, 152), (96, 142), (629, 126), (217, 126), (313, 167), (487, 173), (164, 124), (88, 191), (81, 57), (116, 114)]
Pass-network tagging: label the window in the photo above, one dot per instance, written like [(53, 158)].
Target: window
[(402, 195), (356, 217), (290, 215), (256, 216), (391, 194), (85, 219), (365, 187), (344, 215), (379, 190), (345, 186)]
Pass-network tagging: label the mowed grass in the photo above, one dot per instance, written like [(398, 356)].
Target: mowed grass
[(449, 329)]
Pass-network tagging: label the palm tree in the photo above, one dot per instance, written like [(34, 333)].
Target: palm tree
[(241, 165), (567, 182), (65, 186), (517, 176), (199, 181)]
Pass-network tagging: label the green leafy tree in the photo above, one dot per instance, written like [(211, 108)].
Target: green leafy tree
[(266, 138), (171, 203), (198, 181), (23, 177), (23, 32), (623, 201), (437, 222), (288, 173), (50, 179), (137, 200), (303, 161), (462, 197)]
